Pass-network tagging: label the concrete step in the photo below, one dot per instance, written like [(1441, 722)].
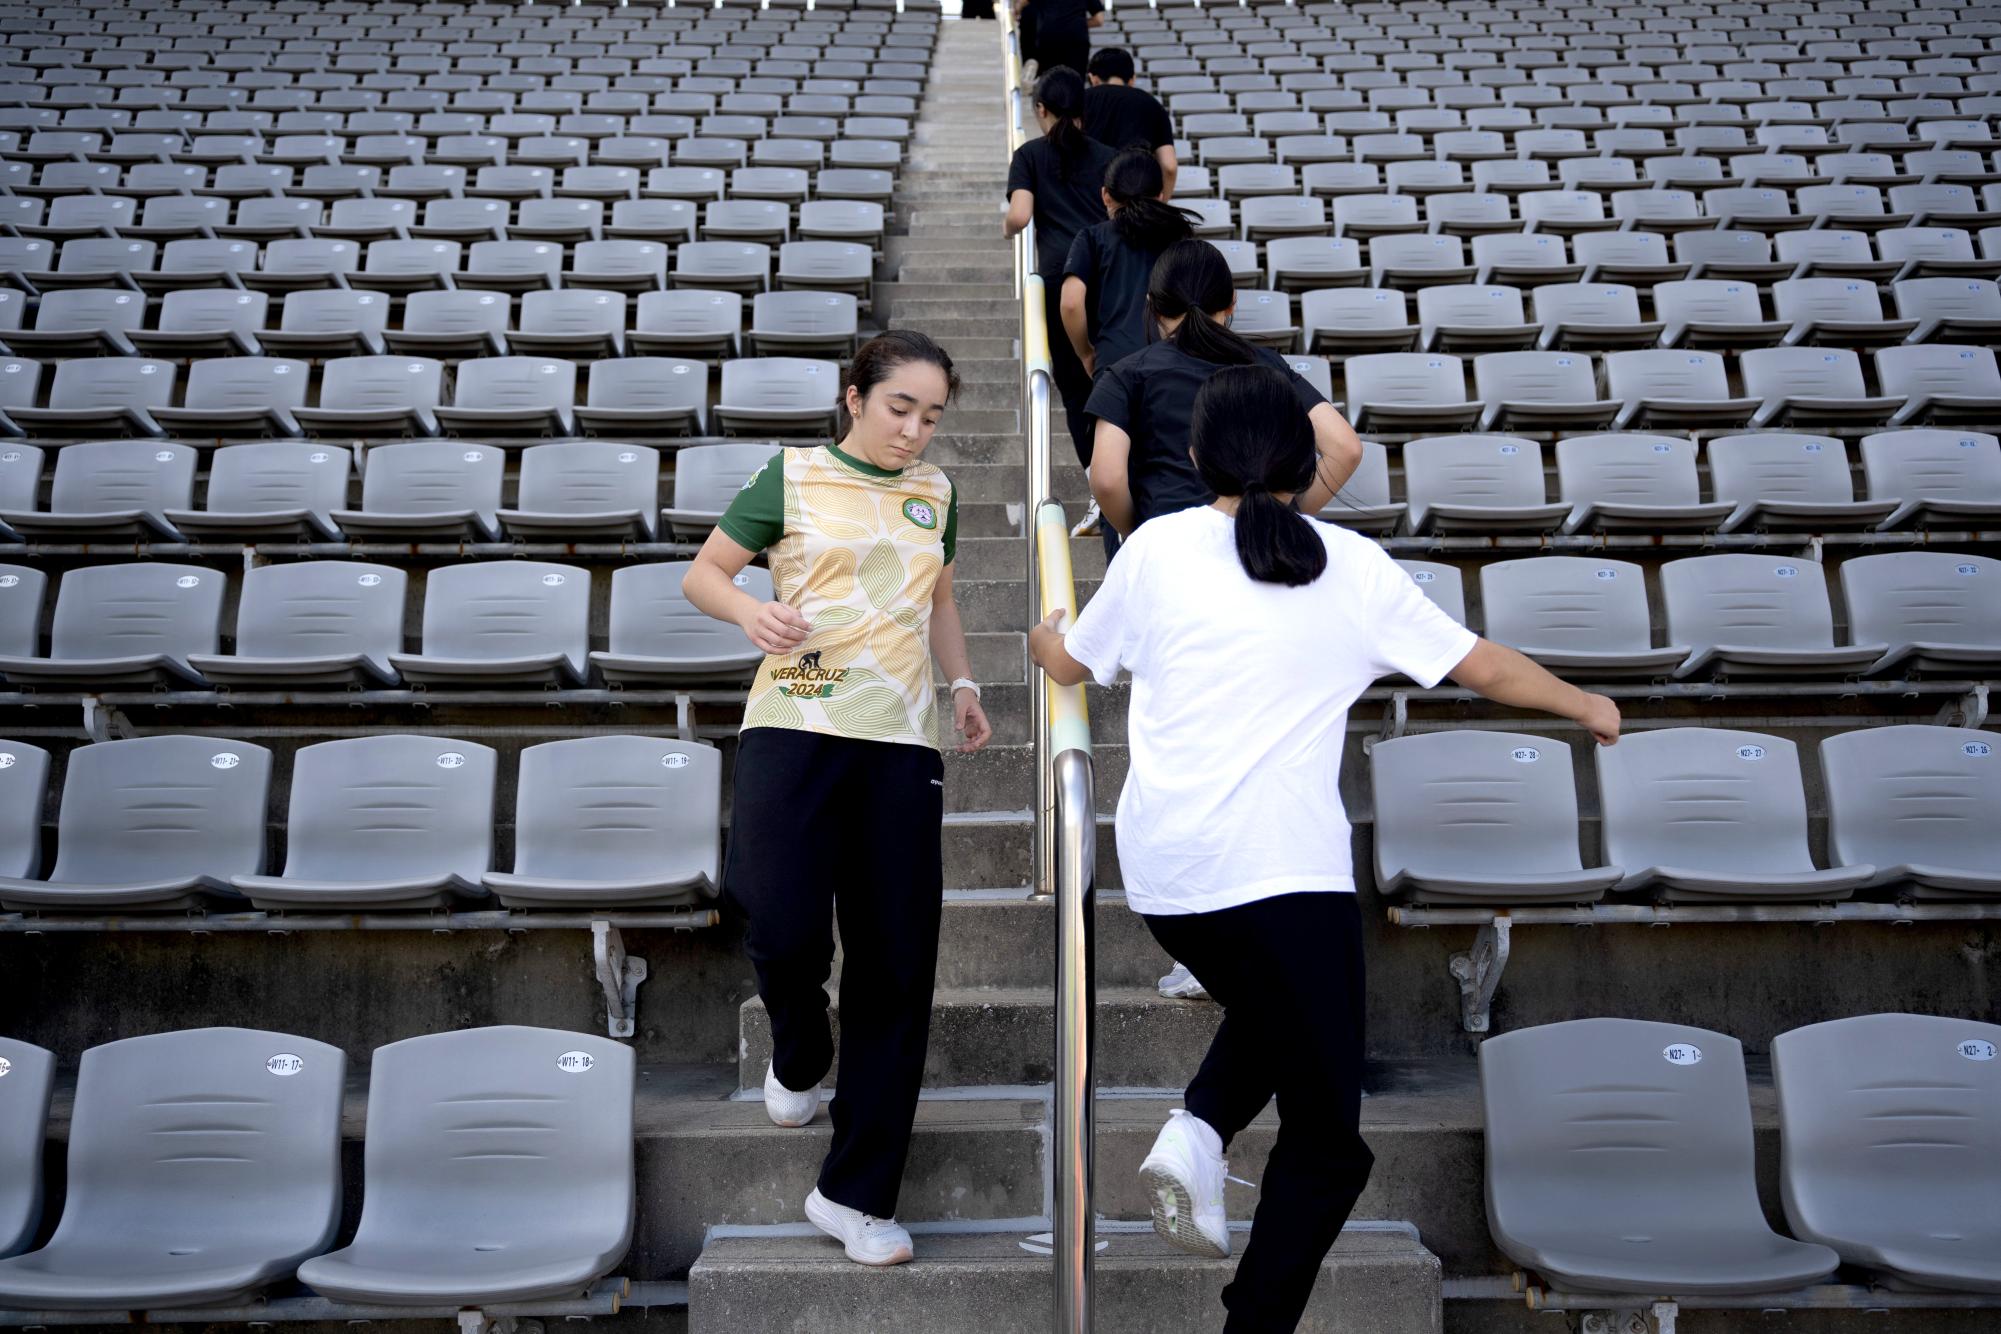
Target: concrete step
[(1004, 482), (999, 777), (1375, 1282)]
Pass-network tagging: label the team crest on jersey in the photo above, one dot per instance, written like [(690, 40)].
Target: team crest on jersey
[(921, 512)]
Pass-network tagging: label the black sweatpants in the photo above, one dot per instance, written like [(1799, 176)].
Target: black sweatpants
[(1073, 386), (822, 825), (1288, 973)]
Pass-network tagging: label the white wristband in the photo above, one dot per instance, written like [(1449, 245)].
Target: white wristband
[(966, 683)]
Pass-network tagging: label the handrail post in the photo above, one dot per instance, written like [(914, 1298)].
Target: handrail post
[(1073, 1223)]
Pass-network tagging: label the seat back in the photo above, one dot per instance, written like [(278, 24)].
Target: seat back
[(1589, 303), (1354, 308), (1802, 372), (571, 310), (1932, 465), (804, 313), (1914, 372), (652, 617), (1708, 301), (80, 309), (691, 312), (1800, 299), (1666, 373), (1706, 799), (1913, 795), (589, 477), (1890, 1127), (554, 1173), (1779, 465), (1533, 377), (1472, 470), (617, 808), (112, 382), (24, 784), (431, 477), (114, 476), (516, 383), (1473, 803), (1746, 600), (159, 807), (1582, 604), (276, 476), (1473, 305), (411, 257), (376, 384), (1947, 299), (21, 591), (1405, 377), (321, 608), (206, 1137), (508, 609), (1922, 597), (1440, 583), (390, 808), (137, 609), (196, 310), (1662, 1109), (247, 382), (27, 1077), (779, 383), (335, 311)]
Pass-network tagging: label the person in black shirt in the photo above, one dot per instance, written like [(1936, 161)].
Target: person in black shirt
[(1122, 116), (1140, 465), (1105, 277), (1063, 30), (1057, 181)]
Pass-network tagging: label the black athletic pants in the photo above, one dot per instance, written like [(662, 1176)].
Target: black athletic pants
[(1288, 973), (823, 825), (1073, 386)]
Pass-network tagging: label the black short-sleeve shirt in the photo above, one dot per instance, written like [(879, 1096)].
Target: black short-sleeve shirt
[(1115, 275), (1065, 203), (1151, 396), (1122, 117), (1065, 20)]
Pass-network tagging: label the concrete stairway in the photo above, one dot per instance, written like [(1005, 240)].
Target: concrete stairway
[(977, 1185)]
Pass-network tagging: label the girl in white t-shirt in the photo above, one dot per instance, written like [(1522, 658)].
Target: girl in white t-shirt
[(1249, 630)]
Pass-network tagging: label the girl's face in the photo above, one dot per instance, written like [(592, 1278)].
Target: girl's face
[(893, 422)]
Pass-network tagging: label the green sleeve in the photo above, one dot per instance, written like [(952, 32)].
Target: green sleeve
[(756, 516), (952, 526)]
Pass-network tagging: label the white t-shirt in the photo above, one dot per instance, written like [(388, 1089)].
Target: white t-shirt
[(1240, 698)]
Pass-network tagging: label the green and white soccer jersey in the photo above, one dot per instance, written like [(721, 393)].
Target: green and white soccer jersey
[(857, 550)]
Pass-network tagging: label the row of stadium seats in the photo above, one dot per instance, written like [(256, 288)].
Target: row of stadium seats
[(507, 623), (526, 397), (1688, 814), (1887, 1127), (376, 822), (462, 1206)]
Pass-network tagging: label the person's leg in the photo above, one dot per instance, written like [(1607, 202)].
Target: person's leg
[(1309, 954), (781, 836), (890, 899), (1235, 1080), (1066, 372)]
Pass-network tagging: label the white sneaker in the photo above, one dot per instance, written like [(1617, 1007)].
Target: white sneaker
[(1184, 1177), (786, 1108), (1181, 984), (1091, 524), (868, 1240)]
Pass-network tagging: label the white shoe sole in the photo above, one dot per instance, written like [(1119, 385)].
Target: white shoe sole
[(777, 1120), (1174, 1214), (902, 1255), (1185, 991)]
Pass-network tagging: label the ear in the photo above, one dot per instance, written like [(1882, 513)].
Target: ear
[(1106, 196), (853, 401), (1229, 312)]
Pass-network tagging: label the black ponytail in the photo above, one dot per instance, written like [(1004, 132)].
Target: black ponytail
[(1061, 93), (1134, 181), (1191, 282), (1251, 439)]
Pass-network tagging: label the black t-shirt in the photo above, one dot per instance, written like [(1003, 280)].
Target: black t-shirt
[(1064, 205), (1065, 20), (1116, 274), (1150, 396), (1122, 117)]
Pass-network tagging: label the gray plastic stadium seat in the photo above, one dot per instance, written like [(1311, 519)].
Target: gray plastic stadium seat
[(810, 324), (157, 823), (444, 489), (785, 396), (24, 786), (1479, 817), (384, 822), (27, 1076), (502, 622), (586, 491), (21, 592), (1408, 391), (329, 324), (1742, 613), (463, 1207), (1576, 615), (1712, 814), (319, 622), (130, 624), (1951, 310), (1420, 260), (1714, 312), (1918, 803), (375, 397), (733, 266), (644, 398), (1538, 391), (1811, 384), (1637, 259), (113, 489), (82, 322), (578, 323), (1665, 1111), (1837, 312), (1477, 483), (1889, 1141), (1674, 387), (271, 490), (1474, 318), (1944, 382), (657, 636), (1744, 256), (452, 325), (1779, 481), (620, 820), (1939, 611), (198, 322), (1633, 481), (693, 322), (1355, 320), (156, 1214), (1943, 478), (1440, 583), (511, 398), (101, 396), (1363, 502), (706, 479), (1299, 264), (234, 397), (1588, 316)]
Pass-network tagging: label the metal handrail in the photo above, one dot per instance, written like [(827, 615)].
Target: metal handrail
[(1066, 829)]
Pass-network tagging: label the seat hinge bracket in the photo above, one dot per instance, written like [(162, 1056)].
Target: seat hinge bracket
[(1478, 972), (620, 975)]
